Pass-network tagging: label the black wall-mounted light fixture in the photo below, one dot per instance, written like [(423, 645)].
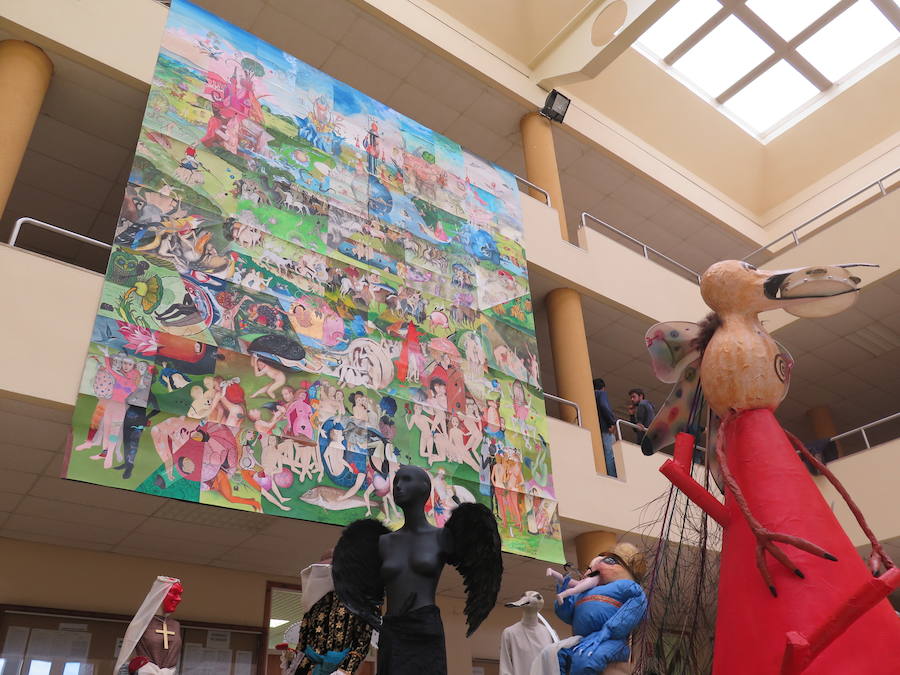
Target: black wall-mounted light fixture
[(555, 106)]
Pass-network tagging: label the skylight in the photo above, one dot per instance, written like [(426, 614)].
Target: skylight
[(852, 38), (767, 63), (719, 59), (789, 17), (771, 97), (683, 19)]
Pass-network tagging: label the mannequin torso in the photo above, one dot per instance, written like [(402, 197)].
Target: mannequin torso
[(413, 557)]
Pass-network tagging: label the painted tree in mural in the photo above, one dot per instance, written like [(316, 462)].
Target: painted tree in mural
[(308, 289)]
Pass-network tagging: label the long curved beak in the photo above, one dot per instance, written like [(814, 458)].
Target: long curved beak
[(814, 291), (774, 285), (521, 602)]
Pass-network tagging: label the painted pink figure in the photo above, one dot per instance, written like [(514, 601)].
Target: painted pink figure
[(333, 329), (576, 587), (125, 379), (299, 415)]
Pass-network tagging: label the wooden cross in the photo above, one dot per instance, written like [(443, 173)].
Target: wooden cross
[(165, 633)]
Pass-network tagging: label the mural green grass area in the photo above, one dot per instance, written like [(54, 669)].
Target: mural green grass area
[(306, 290)]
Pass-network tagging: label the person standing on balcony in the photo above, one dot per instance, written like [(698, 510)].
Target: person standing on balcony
[(607, 425), (643, 412)]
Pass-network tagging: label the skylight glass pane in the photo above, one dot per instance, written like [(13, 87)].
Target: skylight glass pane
[(850, 40), (723, 57), (770, 97), (789, 17), (677, 24)]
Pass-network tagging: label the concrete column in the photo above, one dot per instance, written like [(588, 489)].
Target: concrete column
[(589, 544), (822, 423), (25, 72), (572, 364), (540, 163)]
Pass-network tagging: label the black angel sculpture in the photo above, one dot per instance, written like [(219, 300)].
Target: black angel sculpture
[(370, 562)]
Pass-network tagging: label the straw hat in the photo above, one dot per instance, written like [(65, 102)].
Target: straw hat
[(631, 558)]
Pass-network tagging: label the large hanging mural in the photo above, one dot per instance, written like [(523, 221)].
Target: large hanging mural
[(306, 290)]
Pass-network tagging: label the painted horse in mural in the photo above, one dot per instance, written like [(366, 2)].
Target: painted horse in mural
[(819, 609)]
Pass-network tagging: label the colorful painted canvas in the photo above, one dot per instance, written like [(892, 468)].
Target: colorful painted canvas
[(308, 289)]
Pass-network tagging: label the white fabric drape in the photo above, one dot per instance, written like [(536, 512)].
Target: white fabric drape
[(553, 634), (315, 583), (548, 662), (152, 669), (141, 620)]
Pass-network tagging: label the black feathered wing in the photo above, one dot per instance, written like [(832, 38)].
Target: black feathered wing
[(355, 569), (475, 542)]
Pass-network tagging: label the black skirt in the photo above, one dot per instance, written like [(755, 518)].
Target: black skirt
[(412, 644)]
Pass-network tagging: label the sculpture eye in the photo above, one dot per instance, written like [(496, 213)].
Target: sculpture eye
[(748, 266)]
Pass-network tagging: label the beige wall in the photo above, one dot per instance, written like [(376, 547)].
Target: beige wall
[(858, 119), (607, 269), (101, 33), (54, 305), (663, 112), (585, 496), (70, 578), (459, 647), (521, 27), (870, 477)]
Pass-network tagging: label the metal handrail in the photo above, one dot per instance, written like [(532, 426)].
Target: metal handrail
[(566, 401), (862, 429), (535, 187), (647, 249), (626, 423), (637, 428), (794, 233), (53, 228)]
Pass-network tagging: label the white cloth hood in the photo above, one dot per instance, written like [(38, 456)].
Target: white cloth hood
[(315, 583), (141, 620)]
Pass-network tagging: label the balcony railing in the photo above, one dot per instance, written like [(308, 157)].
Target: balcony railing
[(13, 237), (536, 188), (862, 430), (883, 189), (795, 233), (694, 276), (565, 401)]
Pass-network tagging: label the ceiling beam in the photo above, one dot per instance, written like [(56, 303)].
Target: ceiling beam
[(691, 40), (890, 10), (785, 49), (588, 44)]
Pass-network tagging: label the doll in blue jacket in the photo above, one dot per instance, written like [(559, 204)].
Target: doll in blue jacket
[(603, 616)]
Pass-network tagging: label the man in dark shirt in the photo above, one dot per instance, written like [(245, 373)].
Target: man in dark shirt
[(607, 425), (643, 412)]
